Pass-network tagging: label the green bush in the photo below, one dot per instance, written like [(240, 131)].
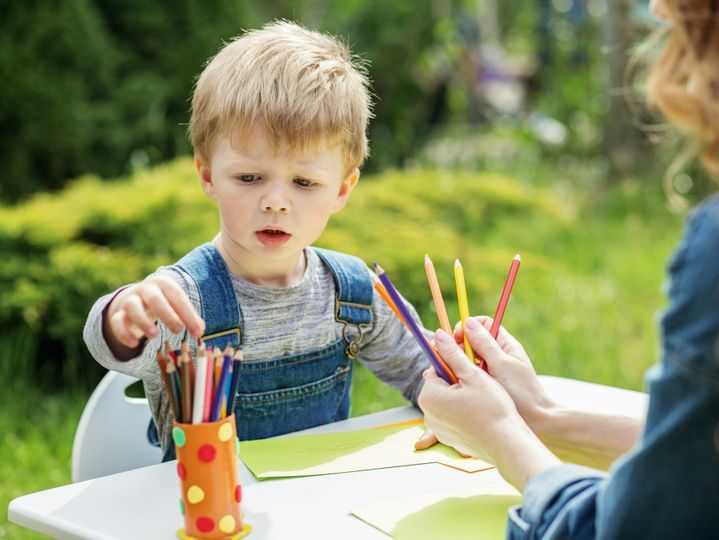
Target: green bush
[(580, 269)]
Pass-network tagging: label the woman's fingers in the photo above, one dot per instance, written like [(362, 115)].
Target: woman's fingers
[(427, 440), (453, 356), (482, 341)]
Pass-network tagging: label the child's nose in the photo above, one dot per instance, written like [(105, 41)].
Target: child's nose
[(276, 200)]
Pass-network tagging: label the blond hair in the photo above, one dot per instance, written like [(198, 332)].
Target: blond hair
[(302, 87), (684, 79)]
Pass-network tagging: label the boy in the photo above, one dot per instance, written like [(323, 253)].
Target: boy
[(278, 126)]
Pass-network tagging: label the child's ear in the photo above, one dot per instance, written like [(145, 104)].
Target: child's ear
[(205, 175), (346, 187)]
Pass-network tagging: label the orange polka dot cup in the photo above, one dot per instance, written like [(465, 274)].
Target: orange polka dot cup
[(207, 465)]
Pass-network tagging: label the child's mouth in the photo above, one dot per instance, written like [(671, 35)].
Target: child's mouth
[(272, 237)]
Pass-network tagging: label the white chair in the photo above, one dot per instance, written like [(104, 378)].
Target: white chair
[(112, 434)]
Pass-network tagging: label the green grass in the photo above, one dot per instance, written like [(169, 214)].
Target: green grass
[(36, 433)]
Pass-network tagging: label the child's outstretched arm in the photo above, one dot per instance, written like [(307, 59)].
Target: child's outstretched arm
[(130, 317)]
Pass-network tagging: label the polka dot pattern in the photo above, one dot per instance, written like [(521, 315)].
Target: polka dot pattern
[(227, 524), (178, 435), (205, 524), (207, 453), (195, 494), (224, 432), (207, 466)]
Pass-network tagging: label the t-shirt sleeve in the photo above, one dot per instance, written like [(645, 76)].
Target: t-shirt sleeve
[(390, 351)]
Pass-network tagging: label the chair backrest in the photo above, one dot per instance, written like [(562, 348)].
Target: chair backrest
[(112, 434)]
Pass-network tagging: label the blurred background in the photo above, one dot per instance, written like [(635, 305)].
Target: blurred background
[(501, 127)]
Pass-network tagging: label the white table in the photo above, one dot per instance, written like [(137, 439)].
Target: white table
[(143, 503)]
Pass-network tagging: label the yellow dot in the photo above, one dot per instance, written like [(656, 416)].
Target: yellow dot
[(225, 432), (195, 494), (227, 524)]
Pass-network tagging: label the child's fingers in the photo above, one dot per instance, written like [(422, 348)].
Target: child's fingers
[(453, 356), (183, 307), (160, 307), (120, 325), (138, 315)]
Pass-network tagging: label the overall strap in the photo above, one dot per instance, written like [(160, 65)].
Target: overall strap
[(353, 301), (218, 302)]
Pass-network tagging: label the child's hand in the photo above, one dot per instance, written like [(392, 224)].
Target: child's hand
[(508, 363), (132, 314)]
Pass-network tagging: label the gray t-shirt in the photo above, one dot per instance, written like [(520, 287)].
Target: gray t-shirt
[(275, 322)]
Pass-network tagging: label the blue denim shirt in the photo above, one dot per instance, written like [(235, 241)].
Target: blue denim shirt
[(668, 487)]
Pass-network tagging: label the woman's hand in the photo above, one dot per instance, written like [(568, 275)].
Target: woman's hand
[(508, 363), (477, 416)]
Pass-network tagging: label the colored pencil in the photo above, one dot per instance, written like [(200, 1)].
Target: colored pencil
[(184, 361), (463, 305), (440, 367), (220, 393), (198, 400), (235, 381), (383, 293), (209, 385), (437, 295), (504, 298), (173, 390)]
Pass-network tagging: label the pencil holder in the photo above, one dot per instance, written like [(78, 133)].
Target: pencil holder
[(207, 465)]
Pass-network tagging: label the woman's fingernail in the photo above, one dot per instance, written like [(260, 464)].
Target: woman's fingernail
[(472, 323), (441, 336)]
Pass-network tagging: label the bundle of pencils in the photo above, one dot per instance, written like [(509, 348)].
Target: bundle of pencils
[(203, 390), (389, 293)]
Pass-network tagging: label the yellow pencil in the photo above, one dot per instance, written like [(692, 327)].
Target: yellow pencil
[(463, 304)]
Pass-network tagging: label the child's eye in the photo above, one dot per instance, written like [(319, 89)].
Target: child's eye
[(303, 182), (248, 178)]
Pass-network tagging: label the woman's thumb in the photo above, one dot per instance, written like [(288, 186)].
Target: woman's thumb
[(482, 341), (452, 355)]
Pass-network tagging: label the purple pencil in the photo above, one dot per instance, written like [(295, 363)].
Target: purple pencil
[(411, 324)]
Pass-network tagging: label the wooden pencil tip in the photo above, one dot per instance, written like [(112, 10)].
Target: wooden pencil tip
[(374, 278), (427, 260), (238, 355), (457, 264), (378, 269), (517, 257)]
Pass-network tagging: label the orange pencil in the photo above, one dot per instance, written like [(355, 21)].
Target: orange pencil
[(383, 293), (437, 295)]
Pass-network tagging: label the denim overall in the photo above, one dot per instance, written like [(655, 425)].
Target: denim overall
[(285, 393)]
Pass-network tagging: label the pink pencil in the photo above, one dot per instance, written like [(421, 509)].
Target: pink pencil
[(209, 386)]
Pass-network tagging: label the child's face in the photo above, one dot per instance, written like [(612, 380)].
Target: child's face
[(273, 204)]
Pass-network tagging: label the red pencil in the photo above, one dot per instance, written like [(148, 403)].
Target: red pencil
[(504, 299)]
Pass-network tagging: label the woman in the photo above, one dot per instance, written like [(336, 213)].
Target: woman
[(667, 486)]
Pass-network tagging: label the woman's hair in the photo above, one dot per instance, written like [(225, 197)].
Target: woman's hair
[(684, 79)]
